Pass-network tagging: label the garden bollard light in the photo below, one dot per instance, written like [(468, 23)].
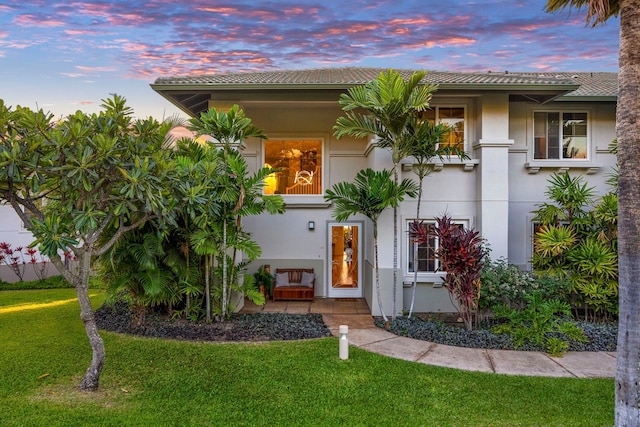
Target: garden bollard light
[(344, 342)]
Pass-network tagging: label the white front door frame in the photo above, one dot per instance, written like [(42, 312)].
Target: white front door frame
[(344, 264)]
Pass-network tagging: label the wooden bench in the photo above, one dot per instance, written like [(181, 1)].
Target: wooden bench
[(292, 284)]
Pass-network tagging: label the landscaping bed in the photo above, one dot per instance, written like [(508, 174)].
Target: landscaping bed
[(119, 317), (600, 336)]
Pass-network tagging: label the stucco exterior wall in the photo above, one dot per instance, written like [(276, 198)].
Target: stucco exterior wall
[(527, 187)]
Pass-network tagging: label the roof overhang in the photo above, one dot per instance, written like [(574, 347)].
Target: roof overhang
[(193, 94)]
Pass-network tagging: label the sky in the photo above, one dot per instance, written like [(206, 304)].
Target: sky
[(63, 56)]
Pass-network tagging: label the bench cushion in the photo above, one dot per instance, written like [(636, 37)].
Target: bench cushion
[(282, 279), (307, 279)]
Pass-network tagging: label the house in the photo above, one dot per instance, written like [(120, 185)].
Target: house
[(518, 128)]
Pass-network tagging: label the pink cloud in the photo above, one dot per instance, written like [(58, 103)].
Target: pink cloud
[(78, 32), (95, 69), (33, 20)]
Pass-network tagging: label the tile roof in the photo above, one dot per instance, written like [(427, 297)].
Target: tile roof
[(583, 84)]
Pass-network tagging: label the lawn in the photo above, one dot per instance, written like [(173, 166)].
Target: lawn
[(152, 382)]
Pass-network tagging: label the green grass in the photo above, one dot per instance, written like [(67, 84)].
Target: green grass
[(151, 382)]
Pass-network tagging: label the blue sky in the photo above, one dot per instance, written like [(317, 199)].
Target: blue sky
[(62, 56)]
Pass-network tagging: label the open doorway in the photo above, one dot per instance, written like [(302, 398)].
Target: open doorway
[(345, 242)]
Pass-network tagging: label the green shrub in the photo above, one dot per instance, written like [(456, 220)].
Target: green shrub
[(53, 282), (506, 284), (540, 322)]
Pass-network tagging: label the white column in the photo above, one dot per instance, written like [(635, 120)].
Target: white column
[(493, 173)]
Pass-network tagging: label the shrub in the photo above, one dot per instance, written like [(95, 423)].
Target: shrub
[(506, 284), (540, 323), (53, 282)]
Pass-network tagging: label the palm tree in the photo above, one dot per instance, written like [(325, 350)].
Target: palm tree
[(228, 129), (426, 142), (370, 194), (628, 135), (390, 103)]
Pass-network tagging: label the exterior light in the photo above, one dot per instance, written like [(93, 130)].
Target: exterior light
[(311, 225), (344, 342)]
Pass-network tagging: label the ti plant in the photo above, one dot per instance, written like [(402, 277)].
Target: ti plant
[(461, 255)]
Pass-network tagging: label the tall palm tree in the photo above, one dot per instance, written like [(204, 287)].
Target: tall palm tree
[(426, 142), (628, 135), (370, 194), (228, 129), (389, 103)]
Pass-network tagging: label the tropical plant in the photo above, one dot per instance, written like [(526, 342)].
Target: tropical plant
[(238, 194), (264, 278), (385, 108), (541, 322), (578, 242), (461, 255), (425, 142), (178, 265), (13, 258), (370, 194), (101, 174)]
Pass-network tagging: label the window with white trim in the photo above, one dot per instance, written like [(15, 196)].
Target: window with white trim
[(299, 164), (560, 135), (454, 117), (427, 261)]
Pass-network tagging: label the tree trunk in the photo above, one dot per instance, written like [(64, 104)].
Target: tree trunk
[(207, 288), (375, 250), (79, 278), (628, 134), (91, 378), (395, 248), (415, 254)]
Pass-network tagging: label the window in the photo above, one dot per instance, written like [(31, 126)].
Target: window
[(560, 135), (452, 116), (427, 261), (300, 166)]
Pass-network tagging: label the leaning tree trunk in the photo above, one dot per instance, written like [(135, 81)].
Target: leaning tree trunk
[(79, 278), (628, 134)]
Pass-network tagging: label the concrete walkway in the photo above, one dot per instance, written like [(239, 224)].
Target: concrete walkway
[(364, 334)]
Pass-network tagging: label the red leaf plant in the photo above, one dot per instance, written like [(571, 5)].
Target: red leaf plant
[(460, 253), (16, 260)]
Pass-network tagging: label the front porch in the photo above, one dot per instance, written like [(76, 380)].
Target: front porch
[(353, 312), (319, 305)]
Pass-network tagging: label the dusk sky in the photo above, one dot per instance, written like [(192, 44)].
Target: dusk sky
[(62, 56)]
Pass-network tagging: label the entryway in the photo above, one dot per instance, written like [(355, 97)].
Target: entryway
[(344, 243)]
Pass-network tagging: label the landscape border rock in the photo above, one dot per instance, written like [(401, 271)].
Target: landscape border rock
[(120, 317)]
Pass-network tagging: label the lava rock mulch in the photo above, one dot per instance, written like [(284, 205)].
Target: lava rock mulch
[(601, 337), (119, 317)]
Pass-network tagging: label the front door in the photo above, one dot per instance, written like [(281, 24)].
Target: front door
[(345, 241)]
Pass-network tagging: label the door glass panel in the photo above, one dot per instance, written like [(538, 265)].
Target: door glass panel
[(344, 257)]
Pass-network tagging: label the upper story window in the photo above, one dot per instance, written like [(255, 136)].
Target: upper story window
[(300, 166), (452, 116), (559, 135)]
